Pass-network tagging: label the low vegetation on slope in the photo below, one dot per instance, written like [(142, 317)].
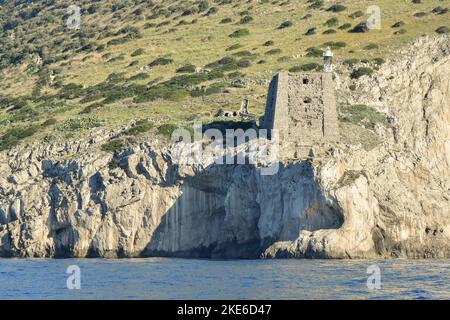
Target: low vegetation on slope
[(173, 62)]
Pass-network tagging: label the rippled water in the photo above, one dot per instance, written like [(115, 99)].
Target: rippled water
[(205, 279)]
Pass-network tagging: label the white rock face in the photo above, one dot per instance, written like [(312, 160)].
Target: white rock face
[(392, 201)]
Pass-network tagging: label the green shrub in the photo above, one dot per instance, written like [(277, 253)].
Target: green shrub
[(182, 23), (363, 71), (149, 25), (133, 63), (329, 31), (273, 52), (226, 20), (212, 89), (335, 45), (71, 91), (49, 122), (306, 67), (268, 43), (119, 92), (371, 46), (116, 77), (310, 32), (211, 11), (235, 74), (189, 68), (137, 52), (113, 164), (345, 26), (203, 6), (161, 92), (360, 28), (400, 32), (296, 69), (314, 52), (246, 19), (13, 103), (161, 62), (112, 146), (79, 123), (420, 14), (361, 115), (189, 80), (13, 136), (91, 108), (398, 24), (117, 41), (378, 61), (220, 66), (162, 24), (130, 32), (139, 76), (315, 4), (286, 24), (240, 33), (337, 8), (351, 62), (443, 30), (440, 10), (167, 129), (234, 47), (244, 53), (331, 22), (244, 63), (139, 127), (356, 14)]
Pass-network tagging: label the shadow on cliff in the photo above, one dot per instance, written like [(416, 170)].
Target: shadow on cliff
[(224, 125), (232, 211)]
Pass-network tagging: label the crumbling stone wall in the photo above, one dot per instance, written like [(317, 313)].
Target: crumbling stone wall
[(276, 115), (303, 108)]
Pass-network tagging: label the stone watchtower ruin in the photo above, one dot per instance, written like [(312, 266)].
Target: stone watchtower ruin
[(302, 107)]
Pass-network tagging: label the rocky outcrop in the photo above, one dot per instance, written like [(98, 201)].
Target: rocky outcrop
[(71, 200), (148, 206)]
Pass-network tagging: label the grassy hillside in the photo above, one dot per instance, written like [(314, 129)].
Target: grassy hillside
[(136, 59)]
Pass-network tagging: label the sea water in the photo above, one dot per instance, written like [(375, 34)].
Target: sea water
[(157, 278)]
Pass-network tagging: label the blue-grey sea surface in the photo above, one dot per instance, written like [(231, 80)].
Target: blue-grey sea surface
[(157, 278)]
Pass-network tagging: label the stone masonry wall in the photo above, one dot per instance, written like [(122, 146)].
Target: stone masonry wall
[(331, 126), (303, 108)]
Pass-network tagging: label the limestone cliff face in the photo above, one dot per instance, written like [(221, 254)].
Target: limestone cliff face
[(392, 201), (150, 207)]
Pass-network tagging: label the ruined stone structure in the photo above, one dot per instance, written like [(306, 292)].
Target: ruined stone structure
[(243, 113), (303, 109)]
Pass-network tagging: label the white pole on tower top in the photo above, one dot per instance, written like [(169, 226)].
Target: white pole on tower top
[(328, 60)]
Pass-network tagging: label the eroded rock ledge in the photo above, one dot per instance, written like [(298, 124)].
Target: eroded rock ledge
[(392, 201)]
